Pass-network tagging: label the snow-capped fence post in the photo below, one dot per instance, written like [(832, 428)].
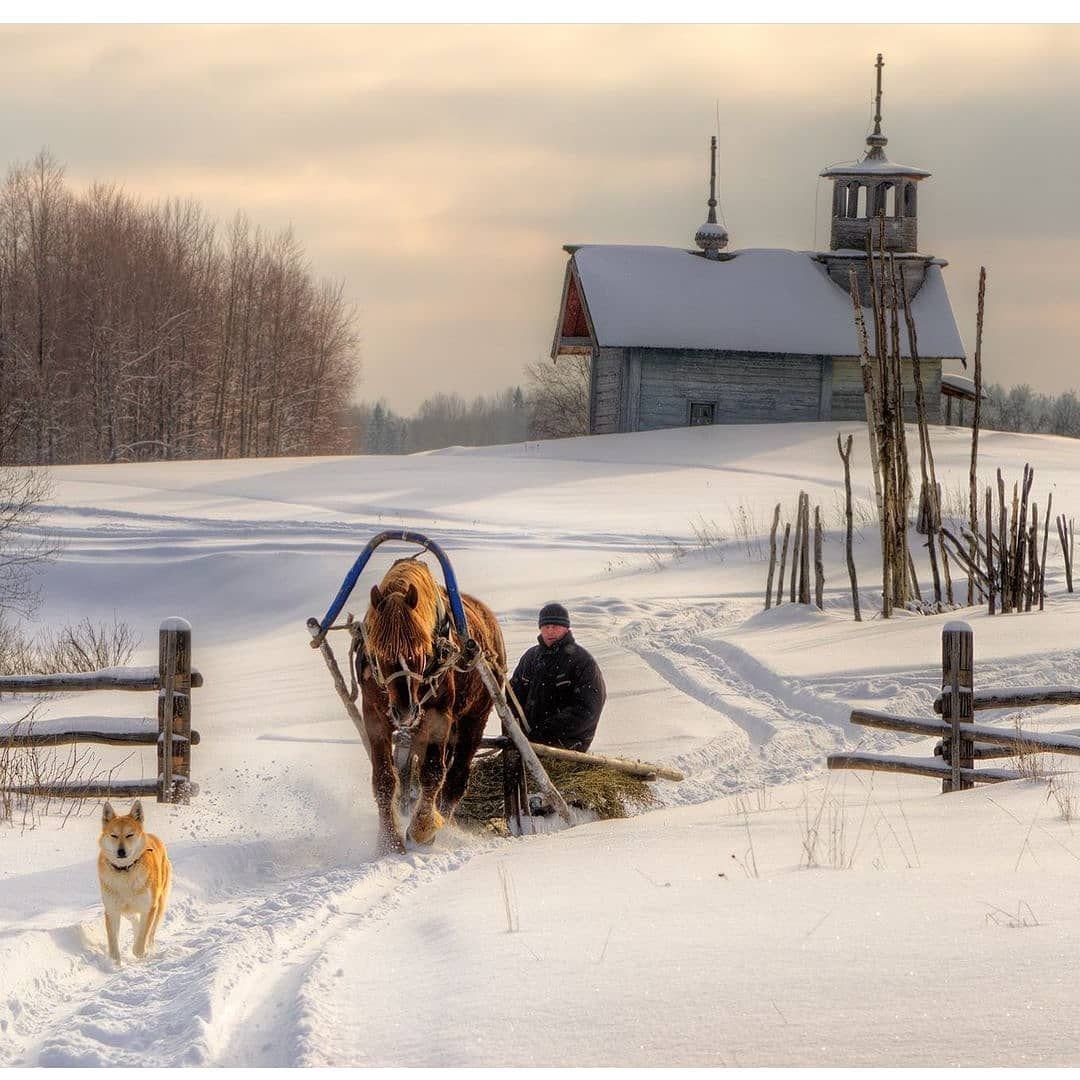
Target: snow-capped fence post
[(957, 707), (174, 711)]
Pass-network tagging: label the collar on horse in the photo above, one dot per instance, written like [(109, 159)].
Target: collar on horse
[(445, 657)]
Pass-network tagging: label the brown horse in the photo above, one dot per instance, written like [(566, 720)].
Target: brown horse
[(409, 685)]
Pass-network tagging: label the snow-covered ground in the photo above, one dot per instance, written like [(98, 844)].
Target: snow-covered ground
[(768, 913)]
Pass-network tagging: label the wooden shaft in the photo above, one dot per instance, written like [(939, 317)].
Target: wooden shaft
[(513, 729), (339, 685), (990, 549)]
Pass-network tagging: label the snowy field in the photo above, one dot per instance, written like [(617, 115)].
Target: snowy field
[(767, 913)]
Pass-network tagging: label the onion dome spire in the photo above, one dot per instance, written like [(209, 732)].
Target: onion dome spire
[(712, 237)]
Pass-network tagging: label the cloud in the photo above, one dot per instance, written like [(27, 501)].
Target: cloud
[(439, 169)]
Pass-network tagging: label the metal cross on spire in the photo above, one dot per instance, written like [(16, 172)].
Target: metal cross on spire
[(877, 98)]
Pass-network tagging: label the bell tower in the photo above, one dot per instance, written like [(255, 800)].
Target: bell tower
[(876, 185)]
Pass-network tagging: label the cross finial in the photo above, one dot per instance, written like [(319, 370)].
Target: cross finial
[(877, 99), (712, 182)]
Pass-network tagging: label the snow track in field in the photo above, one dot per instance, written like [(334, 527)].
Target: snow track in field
[(771, 730), (222, 986)]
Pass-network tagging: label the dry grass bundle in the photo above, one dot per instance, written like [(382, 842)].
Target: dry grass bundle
[(606, 792)]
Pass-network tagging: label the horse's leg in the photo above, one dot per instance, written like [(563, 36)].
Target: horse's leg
[(468, 731), (431, 744), (383, 782)]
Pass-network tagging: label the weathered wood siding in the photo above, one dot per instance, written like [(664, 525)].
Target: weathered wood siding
[(747, 388), (847, 393), (606, 413)]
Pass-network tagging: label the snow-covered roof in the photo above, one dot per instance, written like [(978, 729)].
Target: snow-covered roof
[(756, 300), (959, 384)]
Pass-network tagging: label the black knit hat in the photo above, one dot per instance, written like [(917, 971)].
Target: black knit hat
[(553, 615)]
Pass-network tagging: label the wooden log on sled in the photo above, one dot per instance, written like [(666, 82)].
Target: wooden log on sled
[(645, 770)]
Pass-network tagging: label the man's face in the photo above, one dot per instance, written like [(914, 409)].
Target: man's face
[(552, 634)]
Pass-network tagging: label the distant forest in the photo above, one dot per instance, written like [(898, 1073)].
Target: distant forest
[(554, 404), (1022, 409), (140, 332)]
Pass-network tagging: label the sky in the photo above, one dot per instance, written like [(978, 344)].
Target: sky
[(437, 170)]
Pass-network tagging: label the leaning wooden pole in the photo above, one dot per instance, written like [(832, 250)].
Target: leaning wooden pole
[(871, 403), (926, 456), (819, 563), (783, 564), (772, 557), (804, 556), (973, 493), (845, 457)]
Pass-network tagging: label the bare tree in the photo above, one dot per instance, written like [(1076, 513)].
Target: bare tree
[(559, 397), (24, 549)]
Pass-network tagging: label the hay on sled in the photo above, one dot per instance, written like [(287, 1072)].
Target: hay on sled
[(605, 791)]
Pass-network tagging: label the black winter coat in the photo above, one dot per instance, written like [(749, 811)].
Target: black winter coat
[(562, 692)]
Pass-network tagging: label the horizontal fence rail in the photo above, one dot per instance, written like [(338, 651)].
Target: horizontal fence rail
[(133, 678), (106, 730), (170, 731), (1014, 697), (962, 741)]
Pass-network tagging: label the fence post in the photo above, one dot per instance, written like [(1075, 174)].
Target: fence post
[(174, 711), (957, 706)]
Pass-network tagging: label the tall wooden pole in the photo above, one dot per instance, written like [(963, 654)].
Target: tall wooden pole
[(973, 494)]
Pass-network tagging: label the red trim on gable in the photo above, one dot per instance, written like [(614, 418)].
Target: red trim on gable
[(573, 323)]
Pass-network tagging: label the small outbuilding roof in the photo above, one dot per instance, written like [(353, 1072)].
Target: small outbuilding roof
[(757, 300), (958, 386)]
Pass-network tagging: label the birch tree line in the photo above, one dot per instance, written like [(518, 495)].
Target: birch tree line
[(131, 331)]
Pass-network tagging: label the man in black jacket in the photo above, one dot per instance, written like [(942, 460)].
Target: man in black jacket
[(559, 685)]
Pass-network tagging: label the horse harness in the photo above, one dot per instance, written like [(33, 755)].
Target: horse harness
[(446, 656)]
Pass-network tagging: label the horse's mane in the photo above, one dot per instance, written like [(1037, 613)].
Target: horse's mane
[(395, 629)]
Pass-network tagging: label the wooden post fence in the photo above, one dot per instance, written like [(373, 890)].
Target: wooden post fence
[(173, 679), (963, 742)]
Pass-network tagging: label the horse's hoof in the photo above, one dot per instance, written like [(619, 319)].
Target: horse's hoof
[(390, 845), (423, 830)]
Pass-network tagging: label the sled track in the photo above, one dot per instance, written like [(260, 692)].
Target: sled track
[(223, 986)]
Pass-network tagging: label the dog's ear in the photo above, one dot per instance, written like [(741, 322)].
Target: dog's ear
[(136, 811), (376, 597), (107, 814), (412, 597)]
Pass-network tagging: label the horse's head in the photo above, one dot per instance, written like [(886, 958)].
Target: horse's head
[(399, 634)]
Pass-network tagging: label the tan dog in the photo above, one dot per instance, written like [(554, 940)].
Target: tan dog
[(135, 875)]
